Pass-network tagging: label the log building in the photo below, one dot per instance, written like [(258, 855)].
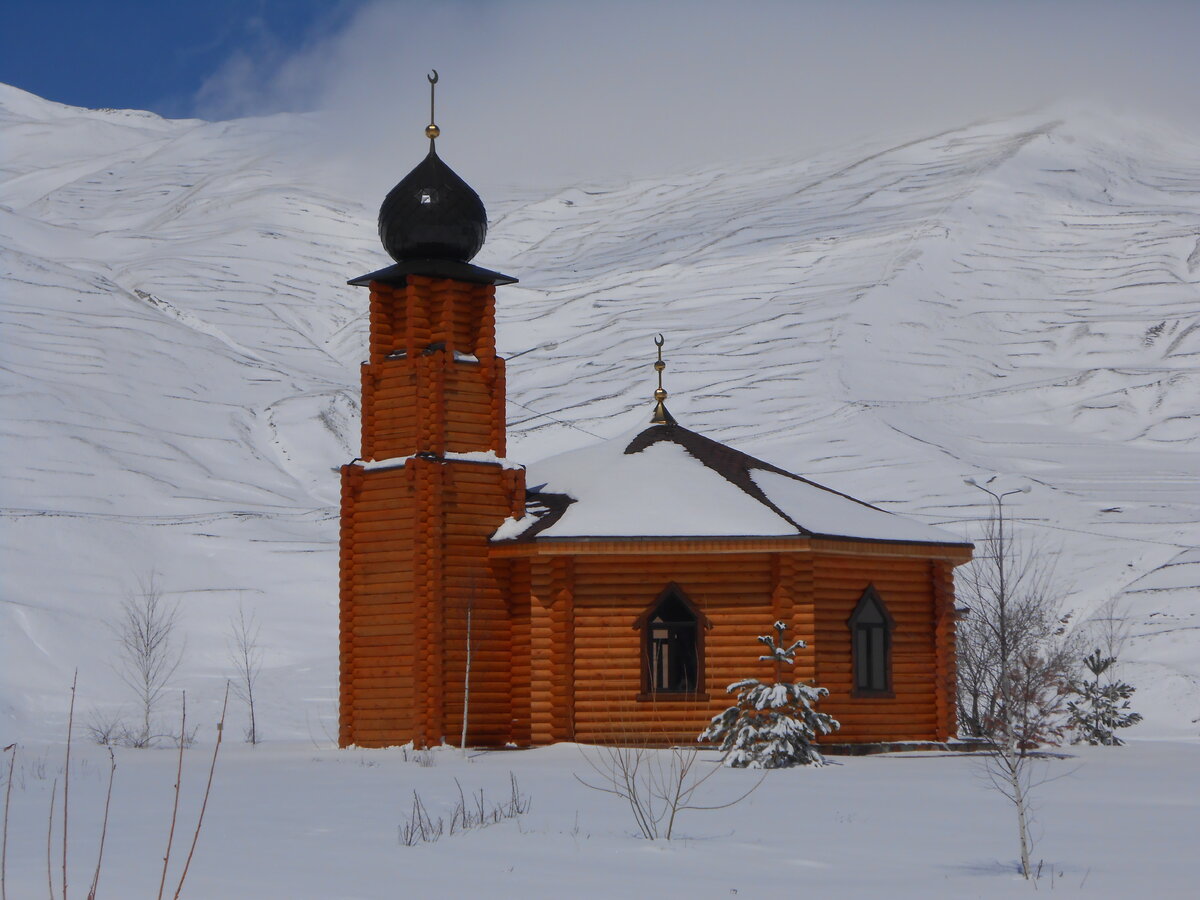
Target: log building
[(617, 600)]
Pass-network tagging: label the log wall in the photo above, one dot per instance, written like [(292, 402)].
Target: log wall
[(907, 590), (584, 656), (432, 382), (414, 543)]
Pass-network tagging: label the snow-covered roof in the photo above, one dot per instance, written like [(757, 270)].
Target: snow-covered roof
[(667, 481)]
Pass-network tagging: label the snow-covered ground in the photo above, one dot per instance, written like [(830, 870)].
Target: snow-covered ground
[(302, 821), (180, 366)]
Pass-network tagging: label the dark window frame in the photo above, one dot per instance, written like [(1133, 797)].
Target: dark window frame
[(876, 636), (700, 624)]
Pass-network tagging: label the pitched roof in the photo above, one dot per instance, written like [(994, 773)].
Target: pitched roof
[(668, 481)]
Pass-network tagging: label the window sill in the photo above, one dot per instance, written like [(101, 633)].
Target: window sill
[(873, 695), (672, 697)]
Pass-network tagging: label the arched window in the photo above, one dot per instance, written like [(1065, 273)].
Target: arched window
[(871, 627), (672, 645)]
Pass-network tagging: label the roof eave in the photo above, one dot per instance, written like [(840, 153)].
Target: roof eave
[(433, 268)]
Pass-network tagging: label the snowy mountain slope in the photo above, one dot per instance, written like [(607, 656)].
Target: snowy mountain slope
[(180, 363)]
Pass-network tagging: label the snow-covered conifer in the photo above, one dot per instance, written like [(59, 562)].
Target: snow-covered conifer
[(1103, 705), (772, 726)]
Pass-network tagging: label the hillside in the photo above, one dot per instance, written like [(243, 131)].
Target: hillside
[(181, 350)]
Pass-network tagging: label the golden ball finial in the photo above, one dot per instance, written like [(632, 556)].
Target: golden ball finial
[(432, 131)]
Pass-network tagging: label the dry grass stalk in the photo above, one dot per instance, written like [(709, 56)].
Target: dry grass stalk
[(50, 839), (67, 781), (4, 840), (112, 771), (207, 789), (175, 808)]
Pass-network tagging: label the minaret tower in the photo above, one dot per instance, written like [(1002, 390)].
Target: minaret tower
[(431, 486)]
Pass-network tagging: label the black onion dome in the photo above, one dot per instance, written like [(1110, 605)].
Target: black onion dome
[(432, 214)]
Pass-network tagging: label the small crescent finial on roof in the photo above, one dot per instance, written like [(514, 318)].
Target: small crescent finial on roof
[(431, 130), (661, 415)]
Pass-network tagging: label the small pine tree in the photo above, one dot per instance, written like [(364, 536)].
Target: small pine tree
[(772, 726), (1102, 707)]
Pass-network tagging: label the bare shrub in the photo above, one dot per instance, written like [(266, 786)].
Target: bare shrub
[(108, 730), (658, 784)]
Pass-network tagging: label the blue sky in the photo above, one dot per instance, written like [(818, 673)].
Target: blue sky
[(150, 54)]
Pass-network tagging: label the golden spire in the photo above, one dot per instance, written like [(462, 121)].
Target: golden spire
[(431, 130), (661, 416)]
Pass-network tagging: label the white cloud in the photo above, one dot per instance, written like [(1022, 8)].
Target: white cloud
[(546, 91)]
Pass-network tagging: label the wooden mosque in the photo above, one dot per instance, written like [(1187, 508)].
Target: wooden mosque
[(617, 599)]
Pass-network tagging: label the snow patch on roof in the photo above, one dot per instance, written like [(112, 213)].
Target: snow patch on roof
[(823, 511), (661, 491), (681, 484)]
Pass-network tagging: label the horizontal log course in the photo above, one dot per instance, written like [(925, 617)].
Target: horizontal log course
[(383, 647), (879, 573), (483, 670), (637, 727), (395, 388), (379, 549), (394, 606), (373, 739), (395, 568), (826, 595), (467, 396), (719, 571), (469, 433), (393, 505), (400, 577), (391, 437), (365, 698), (874, 734), (670, 562), (472, 473), (401, 627), (383, 667), (480, 715), (368, 529), (468, 440), (874, 567), (395, 514), (492, 504), (385, 485), (614, 693)]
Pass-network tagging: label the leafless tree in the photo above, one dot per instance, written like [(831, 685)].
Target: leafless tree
[(1015, 660), (1108, 630), (150, 651), (245, 651), (1015, 655)]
